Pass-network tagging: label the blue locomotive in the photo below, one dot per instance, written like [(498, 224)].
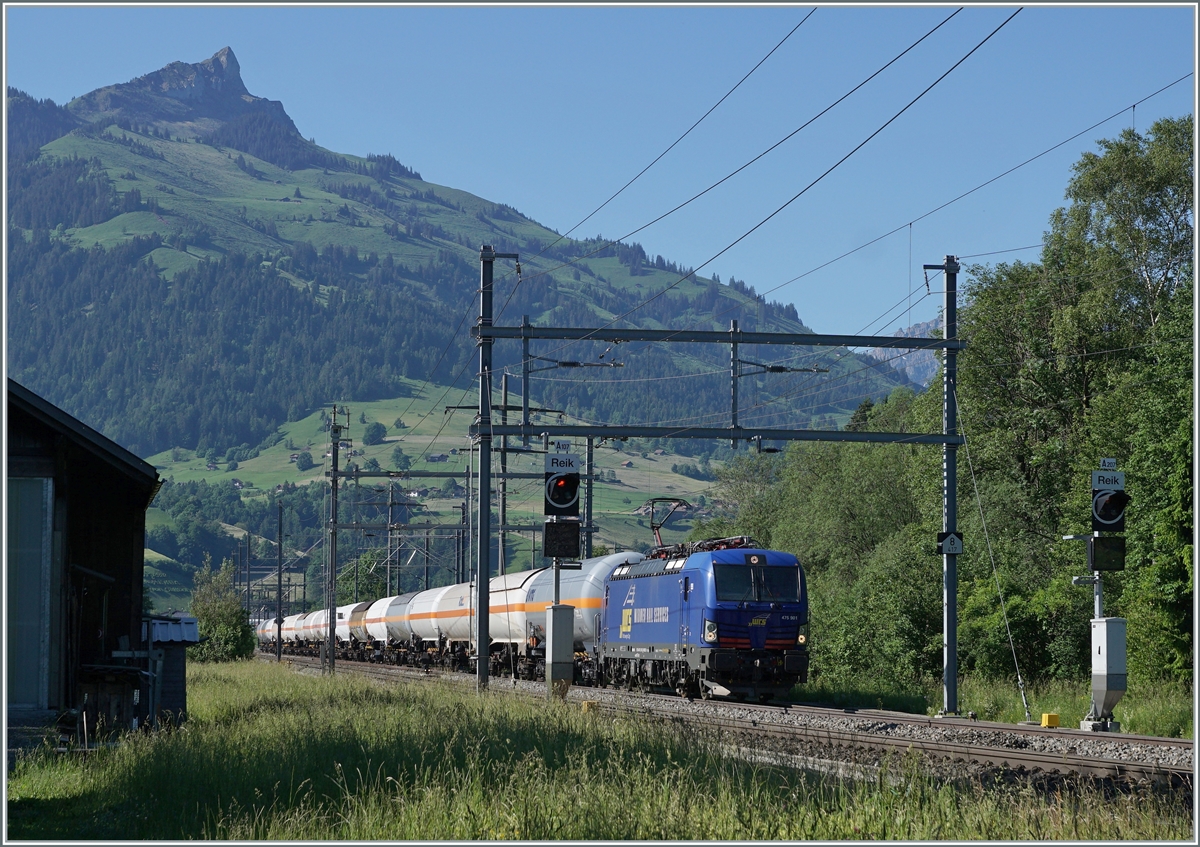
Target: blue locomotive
[(722, 617)]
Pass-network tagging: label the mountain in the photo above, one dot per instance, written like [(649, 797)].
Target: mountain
[(189, 100), (186, 270), (919, 366)]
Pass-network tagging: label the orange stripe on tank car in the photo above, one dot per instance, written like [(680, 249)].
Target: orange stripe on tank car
[(538, 606)]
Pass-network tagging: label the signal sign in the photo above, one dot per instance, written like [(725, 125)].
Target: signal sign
[(562, 485), (1108, 509), (562, 495), (1114, 480)]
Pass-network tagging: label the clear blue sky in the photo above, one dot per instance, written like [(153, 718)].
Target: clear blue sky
[(551, 110)]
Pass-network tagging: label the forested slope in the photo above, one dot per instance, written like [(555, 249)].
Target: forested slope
[(194, 273)]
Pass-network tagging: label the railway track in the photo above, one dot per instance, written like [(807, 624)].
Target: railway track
[(807, 735)]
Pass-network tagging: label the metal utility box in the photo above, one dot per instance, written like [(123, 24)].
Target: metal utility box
[(560, 649), (1108, 671)]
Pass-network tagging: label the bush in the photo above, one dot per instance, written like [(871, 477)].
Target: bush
[(304, 461), (225, 630)]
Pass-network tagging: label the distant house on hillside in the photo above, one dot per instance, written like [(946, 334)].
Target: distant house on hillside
[(438, 457)]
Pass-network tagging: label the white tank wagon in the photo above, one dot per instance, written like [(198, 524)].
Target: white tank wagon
[(345, 617), (292, 626), (583, 589), (386, 621), (316, 627), (358, 623), (438, 625), (431, 619), (508, 615), (265, 632), (518, 602)]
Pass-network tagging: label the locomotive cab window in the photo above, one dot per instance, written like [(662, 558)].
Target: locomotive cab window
[(734, 582), (742, 583), (779, 585)]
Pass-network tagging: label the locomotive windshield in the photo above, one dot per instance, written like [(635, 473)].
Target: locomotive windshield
[(743, 583)]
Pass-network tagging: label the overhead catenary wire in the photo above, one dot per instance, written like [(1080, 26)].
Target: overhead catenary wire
[(810, 386), (685, 134), (933, 345), (810, 185), (973, 190), (733, 173), (920, 217), (863, 246), (959, 197), (821, 384)]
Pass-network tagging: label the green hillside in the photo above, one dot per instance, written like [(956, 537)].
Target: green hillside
[(195, 279)]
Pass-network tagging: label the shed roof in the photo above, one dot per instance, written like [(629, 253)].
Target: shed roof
[(141, 471), (182, 629)]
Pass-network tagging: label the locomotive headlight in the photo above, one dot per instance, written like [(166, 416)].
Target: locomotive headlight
[(802, 638), (710, 631)]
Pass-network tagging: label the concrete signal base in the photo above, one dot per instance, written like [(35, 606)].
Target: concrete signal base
[(560, 650)]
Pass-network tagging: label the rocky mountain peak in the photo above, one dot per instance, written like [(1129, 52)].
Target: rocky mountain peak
[(191, 98), (218, 77)]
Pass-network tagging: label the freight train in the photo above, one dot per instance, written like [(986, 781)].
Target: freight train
[(722, 617)]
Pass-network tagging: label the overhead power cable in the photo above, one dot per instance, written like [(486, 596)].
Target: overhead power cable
[(805, 190), (897, 229), (734, 173), (668, 150), (960, 197), (976, 188), (998, 252), (685, 134)]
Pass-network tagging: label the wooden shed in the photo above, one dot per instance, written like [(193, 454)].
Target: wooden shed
[(76, 531)]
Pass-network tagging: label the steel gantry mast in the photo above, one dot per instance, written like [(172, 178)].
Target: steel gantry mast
[(484, 430)]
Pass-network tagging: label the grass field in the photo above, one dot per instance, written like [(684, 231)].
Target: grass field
[(269, 754), (1159, 708)]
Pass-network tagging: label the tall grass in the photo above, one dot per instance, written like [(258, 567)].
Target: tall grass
[(1165, 709), (273, 755)]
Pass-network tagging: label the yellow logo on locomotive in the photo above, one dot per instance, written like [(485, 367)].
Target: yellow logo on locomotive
[(626, 623), (761, 620)]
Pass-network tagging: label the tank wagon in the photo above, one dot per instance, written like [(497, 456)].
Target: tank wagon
[(436, 627), (723, 617)]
